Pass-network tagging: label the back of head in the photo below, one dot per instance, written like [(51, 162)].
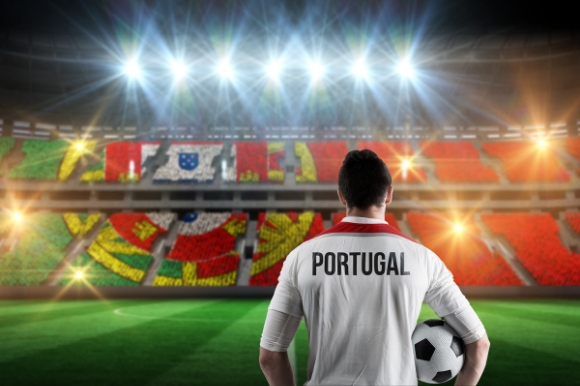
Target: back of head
[(364, 179)]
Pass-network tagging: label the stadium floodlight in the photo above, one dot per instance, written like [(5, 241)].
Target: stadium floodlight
[(316, 71), (405, 69), (224, 69), (180, 70), (274, 69), (458, 228), (132, 69), (17, 217), (79, 275), (80, 146), (542, 143), (360, 70), (406, 164)]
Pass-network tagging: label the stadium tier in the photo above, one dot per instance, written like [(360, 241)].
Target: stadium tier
[(459, 245), (252, 162), (204, 252), (528, 162), (574, 221), (573, 147), (457, 162), (399, 158), (278, 235), (536, 242), (319, 161), (121, 252), (34, 246)]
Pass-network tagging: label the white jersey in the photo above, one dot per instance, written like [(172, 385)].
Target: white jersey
[(360, 286)]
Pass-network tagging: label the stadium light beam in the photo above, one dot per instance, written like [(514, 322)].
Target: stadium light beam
[(132, 69), (458, 228), (405, 69), (542, 143), (316, 71), (225, 70), (274, 69), (79, 275), (360, 70), (179, 69)]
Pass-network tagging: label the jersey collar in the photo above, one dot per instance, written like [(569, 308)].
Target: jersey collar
[(363, 220)]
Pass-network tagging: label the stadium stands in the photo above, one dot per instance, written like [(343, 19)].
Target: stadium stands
[(395, 154), (204, 253), (257, 162), (41, 241), (121, 253), (319, 161), (389, 217), (49, 160), (189, 161), (573, 147), (536, 241), (464, 253), (457, 162), (574, 221), (279, 234), (528, 162), (6, 145)]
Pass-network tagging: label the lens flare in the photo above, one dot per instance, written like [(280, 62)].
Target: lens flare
[(132, 69), (405, 69)]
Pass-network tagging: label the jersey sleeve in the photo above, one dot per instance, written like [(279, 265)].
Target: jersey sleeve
[(286, 296), (449, 303)]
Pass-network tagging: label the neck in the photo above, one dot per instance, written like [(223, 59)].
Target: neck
[(371, 212)]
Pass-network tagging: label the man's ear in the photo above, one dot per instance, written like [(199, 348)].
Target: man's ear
[(341, 198), (389, 198)]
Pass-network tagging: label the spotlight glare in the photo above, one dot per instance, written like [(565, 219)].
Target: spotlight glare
[(79, 275), (406, 164), (542, 143), (80, 146), (360, 70), (458, 228), (273, 69), (132, 69), (405, 69), (17, 217), (179, 70), (316, 70), (225, 70)]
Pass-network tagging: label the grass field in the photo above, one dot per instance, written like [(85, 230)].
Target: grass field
[(216, 342)]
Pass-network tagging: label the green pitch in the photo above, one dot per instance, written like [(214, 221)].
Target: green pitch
[(215, 342)]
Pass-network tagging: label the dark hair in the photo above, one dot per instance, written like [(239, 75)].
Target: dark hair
[(363, 179)]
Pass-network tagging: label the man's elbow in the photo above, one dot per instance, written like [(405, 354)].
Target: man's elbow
[(482, 344), (267, 358)]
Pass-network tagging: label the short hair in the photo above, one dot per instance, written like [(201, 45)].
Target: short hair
[(364, 179)]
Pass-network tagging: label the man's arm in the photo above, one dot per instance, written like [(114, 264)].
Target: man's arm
[(279, 331), (475, 359), (276, 367)]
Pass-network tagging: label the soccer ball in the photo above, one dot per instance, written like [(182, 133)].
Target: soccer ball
[(439, 351)]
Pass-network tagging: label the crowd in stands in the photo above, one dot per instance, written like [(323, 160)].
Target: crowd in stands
[(528, 162), (573, 147), (204, 252), (537, 244), (457, 162), (278, 235), (573, 219), (251, 162), (456, 240)]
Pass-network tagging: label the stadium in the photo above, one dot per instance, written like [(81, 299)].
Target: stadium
[(159, 160)]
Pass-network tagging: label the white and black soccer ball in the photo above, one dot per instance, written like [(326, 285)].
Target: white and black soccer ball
[(439, 351)]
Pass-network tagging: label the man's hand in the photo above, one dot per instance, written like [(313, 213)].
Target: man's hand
[(475, 359), (276, 367)]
